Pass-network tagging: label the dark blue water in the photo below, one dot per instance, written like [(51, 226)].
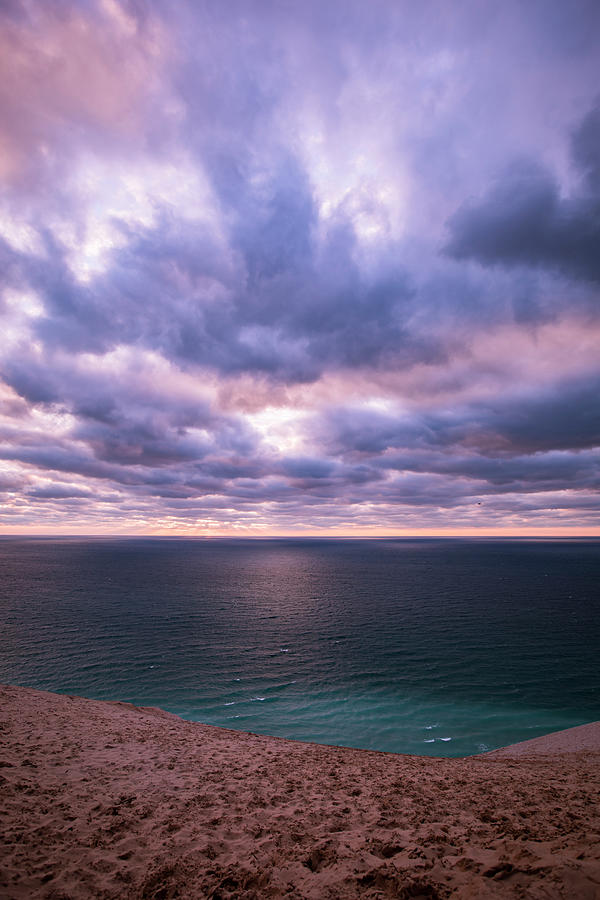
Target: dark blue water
[(438, 647)]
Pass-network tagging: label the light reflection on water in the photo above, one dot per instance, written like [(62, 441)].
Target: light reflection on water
[(438, 647)]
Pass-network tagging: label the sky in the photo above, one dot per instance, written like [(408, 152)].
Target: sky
[(276, 267)]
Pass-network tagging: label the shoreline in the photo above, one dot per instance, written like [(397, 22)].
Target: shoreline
[(576, 738), (103, 798), (568, 740)]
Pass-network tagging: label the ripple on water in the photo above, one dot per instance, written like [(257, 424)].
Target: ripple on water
[(448, 647)]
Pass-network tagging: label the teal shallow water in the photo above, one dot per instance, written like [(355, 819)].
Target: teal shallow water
[(436, 647)]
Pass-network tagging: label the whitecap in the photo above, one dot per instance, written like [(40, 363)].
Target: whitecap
[(252, 699), (429, 740), (230, 703), (283, 650), (445, 739)]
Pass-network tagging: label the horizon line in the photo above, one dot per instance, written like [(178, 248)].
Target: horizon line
[(510, 535)]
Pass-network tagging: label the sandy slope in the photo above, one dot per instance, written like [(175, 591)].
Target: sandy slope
[(108, 800), (573, 740)]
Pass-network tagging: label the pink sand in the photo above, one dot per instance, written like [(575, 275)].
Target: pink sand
[(114, 801)]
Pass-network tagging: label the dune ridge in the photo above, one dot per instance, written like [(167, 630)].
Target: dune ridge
[(111, 800)]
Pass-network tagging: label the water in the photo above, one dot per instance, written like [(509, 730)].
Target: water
[(435, 647)]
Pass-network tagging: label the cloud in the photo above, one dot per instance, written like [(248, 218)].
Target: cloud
[(71, 75), (60, 492), (557, 417), (172, 289), (524, 220), (229, 295)]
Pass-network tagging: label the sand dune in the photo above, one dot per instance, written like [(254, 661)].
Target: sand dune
[(109, 800), (572, 740)]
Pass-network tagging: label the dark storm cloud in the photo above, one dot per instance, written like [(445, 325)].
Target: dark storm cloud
[(517, 444), (543, 471), (123, 422), (463, 476), (562, 417), (309, 309), (135, 472), (61, 459), (567, 417), (59, 492), (157, 442), (142, 443), (525, 220)]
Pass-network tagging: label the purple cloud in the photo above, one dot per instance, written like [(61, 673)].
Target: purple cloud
[(306, 266), (525, 221)]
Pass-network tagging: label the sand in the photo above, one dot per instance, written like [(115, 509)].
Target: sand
[(110, 800)]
